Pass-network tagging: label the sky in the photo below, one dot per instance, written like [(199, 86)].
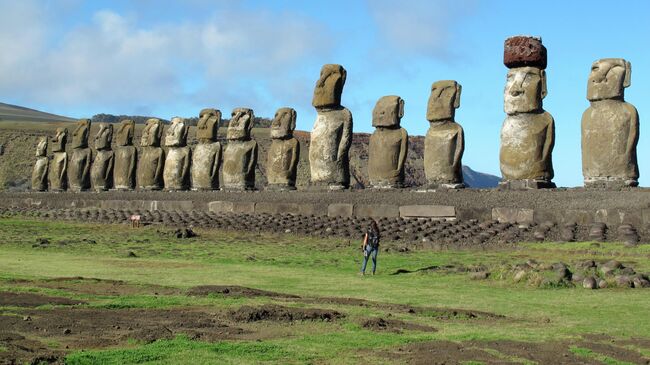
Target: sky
[(173, 58)]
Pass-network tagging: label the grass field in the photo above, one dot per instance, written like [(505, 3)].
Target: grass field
[(157, 270)]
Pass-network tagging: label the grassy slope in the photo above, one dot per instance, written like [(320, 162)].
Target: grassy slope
[(311, 267)]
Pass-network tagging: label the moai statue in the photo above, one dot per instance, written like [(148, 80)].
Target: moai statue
[(240, 155), (152, 159), (444, 143), (610, 128), (101, 171), (206, 157), (58, 168), (528, 132), (126, 157), (388, 144), (80, 159), (331, 136), (284, 153), (39, 174), (176, 173)]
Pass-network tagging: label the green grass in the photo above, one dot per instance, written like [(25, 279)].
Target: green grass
[(312, 267), (587, 353)]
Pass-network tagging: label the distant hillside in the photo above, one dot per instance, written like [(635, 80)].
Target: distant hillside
[(14, 113)]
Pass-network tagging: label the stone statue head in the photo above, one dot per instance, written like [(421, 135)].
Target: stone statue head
[(59, 140), (444, 100), (241, 124), (329, 86), (525, 89), (125, 133), (388, 112), (41, 147), (152, 133), (176, 133), (104, 136), (80, 134), (283, 123), (208, 125), (608, 79)]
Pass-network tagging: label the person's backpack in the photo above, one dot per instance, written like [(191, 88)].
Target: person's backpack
[(373, 239)]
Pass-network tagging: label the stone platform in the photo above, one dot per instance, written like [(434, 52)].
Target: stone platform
[(560, 206)]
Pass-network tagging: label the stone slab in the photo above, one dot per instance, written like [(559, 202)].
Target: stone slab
[(513, 215), (427, 211), (379, 210), (340, 210), (231, 207)]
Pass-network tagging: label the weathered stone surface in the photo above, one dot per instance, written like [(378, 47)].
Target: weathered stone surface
[(376, 210), (152, 160), (427, 211), (528, 132), (80, 158), (101, 171), (231, 207), (444, 143), (329, 87), (388, 144), (126, 157), (331, 135), (39, 173), (521, 51), (240, 154), (206, 156), (340, 210), (284, 153), (176, 173), (58, 167), (206, 159), (513, 215), (610, 128), (331, 138)]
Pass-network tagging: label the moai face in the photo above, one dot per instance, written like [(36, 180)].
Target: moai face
[(525, 89), (208, 125), (104, 137), (444, 100), (388, 112), (125, 133), (80, 134), (283, 123), (152, 133), (329, 86), (41, 147), (608, 79), (241, 124), (176, 133), (59, 140)]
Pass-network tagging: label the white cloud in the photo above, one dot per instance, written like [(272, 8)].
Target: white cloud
[(420, 28), (115, 62)]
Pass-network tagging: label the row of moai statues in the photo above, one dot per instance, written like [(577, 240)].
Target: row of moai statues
[(179, 167), (610, 131)]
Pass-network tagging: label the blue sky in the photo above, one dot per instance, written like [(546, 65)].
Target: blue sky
[(168, 58)]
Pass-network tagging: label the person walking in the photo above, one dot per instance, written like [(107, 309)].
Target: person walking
[(370, 247)]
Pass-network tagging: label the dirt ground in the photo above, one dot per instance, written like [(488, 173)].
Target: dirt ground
[(27, 330)]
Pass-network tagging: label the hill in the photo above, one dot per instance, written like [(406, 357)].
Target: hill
[(14, 113)]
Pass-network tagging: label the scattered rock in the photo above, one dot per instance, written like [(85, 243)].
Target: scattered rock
[(481, 275), (590, 283)]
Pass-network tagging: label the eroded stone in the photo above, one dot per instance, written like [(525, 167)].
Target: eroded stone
[(39, 173), (176, 173), (58, 167), (125, 157), (388, 145), (152, 159), (206, 156), (284, 152), (240, 154), (80, 158), (101, 171)]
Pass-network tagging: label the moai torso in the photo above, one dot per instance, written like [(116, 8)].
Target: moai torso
[(388, 145), (58, 167), (80, 158), (331, 136), (206, 156), (284, 153), (176, 173), (126, 157), (240, 154), (444, 143), (152, 157), (610, 128), (528, 132), (39, 173), (101, 171)]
